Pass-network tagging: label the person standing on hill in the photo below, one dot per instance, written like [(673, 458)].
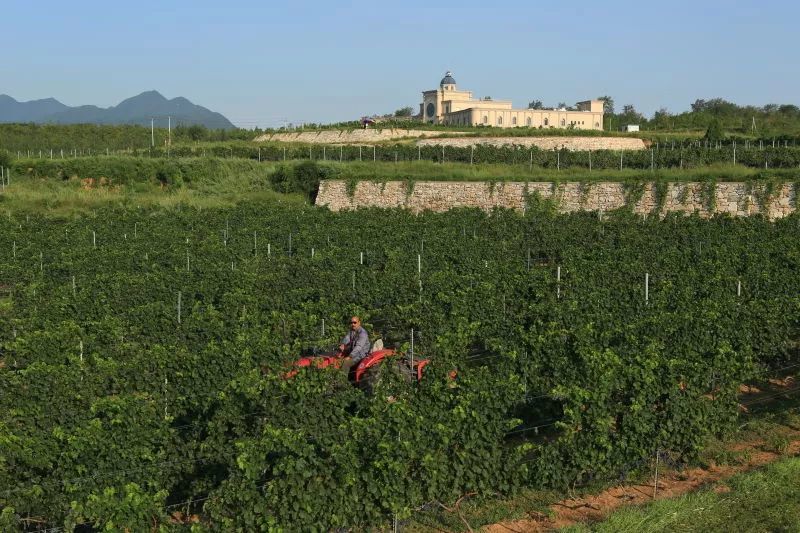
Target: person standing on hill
[(354, 345)]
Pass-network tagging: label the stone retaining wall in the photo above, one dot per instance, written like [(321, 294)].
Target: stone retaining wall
[(737, 199), (349, 136), (374, 136), (545, 143)]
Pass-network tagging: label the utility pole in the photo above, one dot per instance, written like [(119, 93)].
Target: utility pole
[(169, 130), (152, 134)]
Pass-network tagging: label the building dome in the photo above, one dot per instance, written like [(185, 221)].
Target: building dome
[(448, 79)]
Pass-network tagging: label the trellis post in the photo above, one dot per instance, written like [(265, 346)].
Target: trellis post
[(655, 484), (558, 282), (412, 350)]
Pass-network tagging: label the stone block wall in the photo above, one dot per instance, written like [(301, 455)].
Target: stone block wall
[(360, 136), (356, 136), (737, 199), (573, 143)]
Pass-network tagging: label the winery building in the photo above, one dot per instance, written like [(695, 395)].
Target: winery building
[(450, 106)]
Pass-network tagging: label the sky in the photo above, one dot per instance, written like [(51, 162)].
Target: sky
[(263, 63)]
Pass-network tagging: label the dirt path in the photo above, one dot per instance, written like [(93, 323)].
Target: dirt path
[(670, 484)]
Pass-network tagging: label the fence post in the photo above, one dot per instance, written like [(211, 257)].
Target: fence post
[(655, 485), (412, 350), (558, 282)]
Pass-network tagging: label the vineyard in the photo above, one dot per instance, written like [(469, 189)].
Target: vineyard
[(143, 352), (670, 155)]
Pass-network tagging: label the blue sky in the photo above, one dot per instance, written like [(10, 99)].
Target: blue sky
[(260, 63)]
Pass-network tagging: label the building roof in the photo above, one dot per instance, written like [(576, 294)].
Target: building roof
[(448, 79)]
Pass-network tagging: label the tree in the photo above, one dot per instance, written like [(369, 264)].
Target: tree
[(699, 105), (661, 118), (404, 112), (714, 131), (535, 104), (561, 105), (608, 104)]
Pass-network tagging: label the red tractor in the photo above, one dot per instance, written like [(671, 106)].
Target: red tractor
[(367, 372)]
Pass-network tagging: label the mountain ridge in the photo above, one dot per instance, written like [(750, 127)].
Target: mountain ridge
[(139, 110)]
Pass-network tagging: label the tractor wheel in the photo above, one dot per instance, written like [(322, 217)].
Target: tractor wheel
[(378, 373)]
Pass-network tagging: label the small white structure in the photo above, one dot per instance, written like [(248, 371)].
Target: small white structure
[(630, 128)]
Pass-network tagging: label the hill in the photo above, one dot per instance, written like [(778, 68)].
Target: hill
[(137, 110)]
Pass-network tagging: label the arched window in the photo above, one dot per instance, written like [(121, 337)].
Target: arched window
[(528, 121), (485, 119), (596, 124), (513, 121), (546, 121), (499, 121), (563, 122)]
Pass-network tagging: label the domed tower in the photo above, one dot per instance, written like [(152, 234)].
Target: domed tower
[(448, 83)]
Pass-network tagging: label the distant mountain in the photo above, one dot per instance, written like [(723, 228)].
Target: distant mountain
[(137, 110), (33, 111)]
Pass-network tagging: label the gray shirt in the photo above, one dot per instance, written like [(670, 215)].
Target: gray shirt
[(356, 344)]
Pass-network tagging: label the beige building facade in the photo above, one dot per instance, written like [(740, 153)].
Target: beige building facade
[(450, 106)]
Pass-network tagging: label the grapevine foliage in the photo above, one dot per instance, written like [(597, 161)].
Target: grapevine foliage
[(120, 411)]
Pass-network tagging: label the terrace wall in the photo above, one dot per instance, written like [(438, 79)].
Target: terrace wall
[(737, 199)]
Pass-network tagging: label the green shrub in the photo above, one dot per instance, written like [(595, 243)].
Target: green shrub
[(303, 178)]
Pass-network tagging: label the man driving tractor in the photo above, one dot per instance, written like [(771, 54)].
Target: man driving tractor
[(354, 345)]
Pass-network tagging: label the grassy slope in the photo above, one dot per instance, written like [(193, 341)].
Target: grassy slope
[(225, 186), (766, 500)]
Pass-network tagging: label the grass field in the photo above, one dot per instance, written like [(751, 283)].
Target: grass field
[(55, 195)]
